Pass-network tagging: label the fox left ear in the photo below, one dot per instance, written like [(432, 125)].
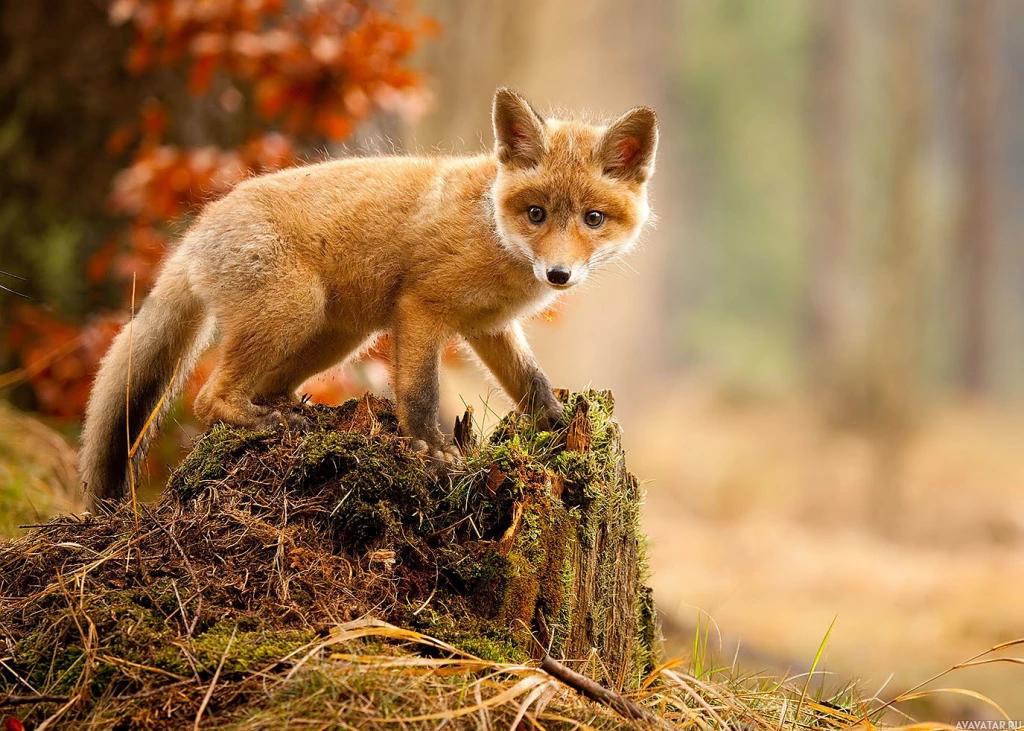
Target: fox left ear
[(629, 145), (519, 136)]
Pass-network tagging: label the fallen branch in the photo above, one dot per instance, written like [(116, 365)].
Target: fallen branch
[(584, 685)]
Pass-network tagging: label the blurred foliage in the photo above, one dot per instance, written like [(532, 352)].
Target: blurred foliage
[(196, 97), (37, 472), (741, 66), (742, 81)]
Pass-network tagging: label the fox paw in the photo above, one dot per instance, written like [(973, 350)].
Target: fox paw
[(285, 419), (439, 460), (549, 418)]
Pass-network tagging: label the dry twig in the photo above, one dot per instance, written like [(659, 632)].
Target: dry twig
[(582, 684)]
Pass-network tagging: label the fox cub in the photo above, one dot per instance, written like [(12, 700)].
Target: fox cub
[(297, 269)]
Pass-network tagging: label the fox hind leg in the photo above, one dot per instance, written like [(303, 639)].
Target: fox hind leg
[(230, 394), (258, 359), (322, 350)]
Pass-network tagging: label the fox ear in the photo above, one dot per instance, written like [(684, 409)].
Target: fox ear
[(629, 145), (519, 136)]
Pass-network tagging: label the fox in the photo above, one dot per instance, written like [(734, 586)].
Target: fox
[(294, 271)]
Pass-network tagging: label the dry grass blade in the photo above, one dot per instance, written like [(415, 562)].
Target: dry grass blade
[(681, 682), (536, 696), (505, 696), (427, 663), (956, 691), (381, 630), (20, 700), (128, 407), (973, 661), (156, 411)]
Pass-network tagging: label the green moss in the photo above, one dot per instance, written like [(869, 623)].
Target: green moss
[(250, 650), (47, 664), (562, 613), (648, 635), (387, 493), (130, 625), (205, 463), (486, 639), (558, 575), (506, 651)]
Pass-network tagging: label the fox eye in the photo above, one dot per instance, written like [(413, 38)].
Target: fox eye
[(536, 214), (594, 218)]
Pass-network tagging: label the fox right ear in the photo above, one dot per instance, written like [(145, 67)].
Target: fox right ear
[(629, 145), (519, 136)]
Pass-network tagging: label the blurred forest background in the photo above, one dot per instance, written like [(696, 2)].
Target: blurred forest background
[(817, 356)]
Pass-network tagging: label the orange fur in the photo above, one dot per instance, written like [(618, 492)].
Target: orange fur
[(298, 268)]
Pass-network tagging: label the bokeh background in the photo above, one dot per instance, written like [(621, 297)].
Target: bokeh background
[(817, 355)]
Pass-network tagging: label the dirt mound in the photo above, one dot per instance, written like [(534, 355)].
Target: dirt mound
[(266, 543)]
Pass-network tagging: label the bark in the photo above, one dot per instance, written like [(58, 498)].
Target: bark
[(894, 362), (976, 25), (828, 240), (583, 592)]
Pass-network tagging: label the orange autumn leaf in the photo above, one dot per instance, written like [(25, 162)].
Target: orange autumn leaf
[(201, 75), (120, 139), (333, 125)]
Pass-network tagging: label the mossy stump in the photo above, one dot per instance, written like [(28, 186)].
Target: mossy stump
[(563, 568), (266, 541)]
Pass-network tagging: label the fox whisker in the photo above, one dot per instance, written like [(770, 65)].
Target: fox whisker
[(12, 291)]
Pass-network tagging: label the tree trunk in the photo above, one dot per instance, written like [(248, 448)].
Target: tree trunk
[(569, 564), (894, 357), (977, 57), (828, 240)]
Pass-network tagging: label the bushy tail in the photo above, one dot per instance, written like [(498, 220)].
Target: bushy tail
[(166, 335)]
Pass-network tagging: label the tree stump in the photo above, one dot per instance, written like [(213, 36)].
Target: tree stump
[(265, 541), (571, 562)]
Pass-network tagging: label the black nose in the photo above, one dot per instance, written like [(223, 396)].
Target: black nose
[(558, 275)]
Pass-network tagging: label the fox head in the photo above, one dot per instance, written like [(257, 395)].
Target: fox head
[(570, 196)]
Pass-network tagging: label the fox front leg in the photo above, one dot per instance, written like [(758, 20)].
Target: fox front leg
[(418, 344), (507, 355)]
